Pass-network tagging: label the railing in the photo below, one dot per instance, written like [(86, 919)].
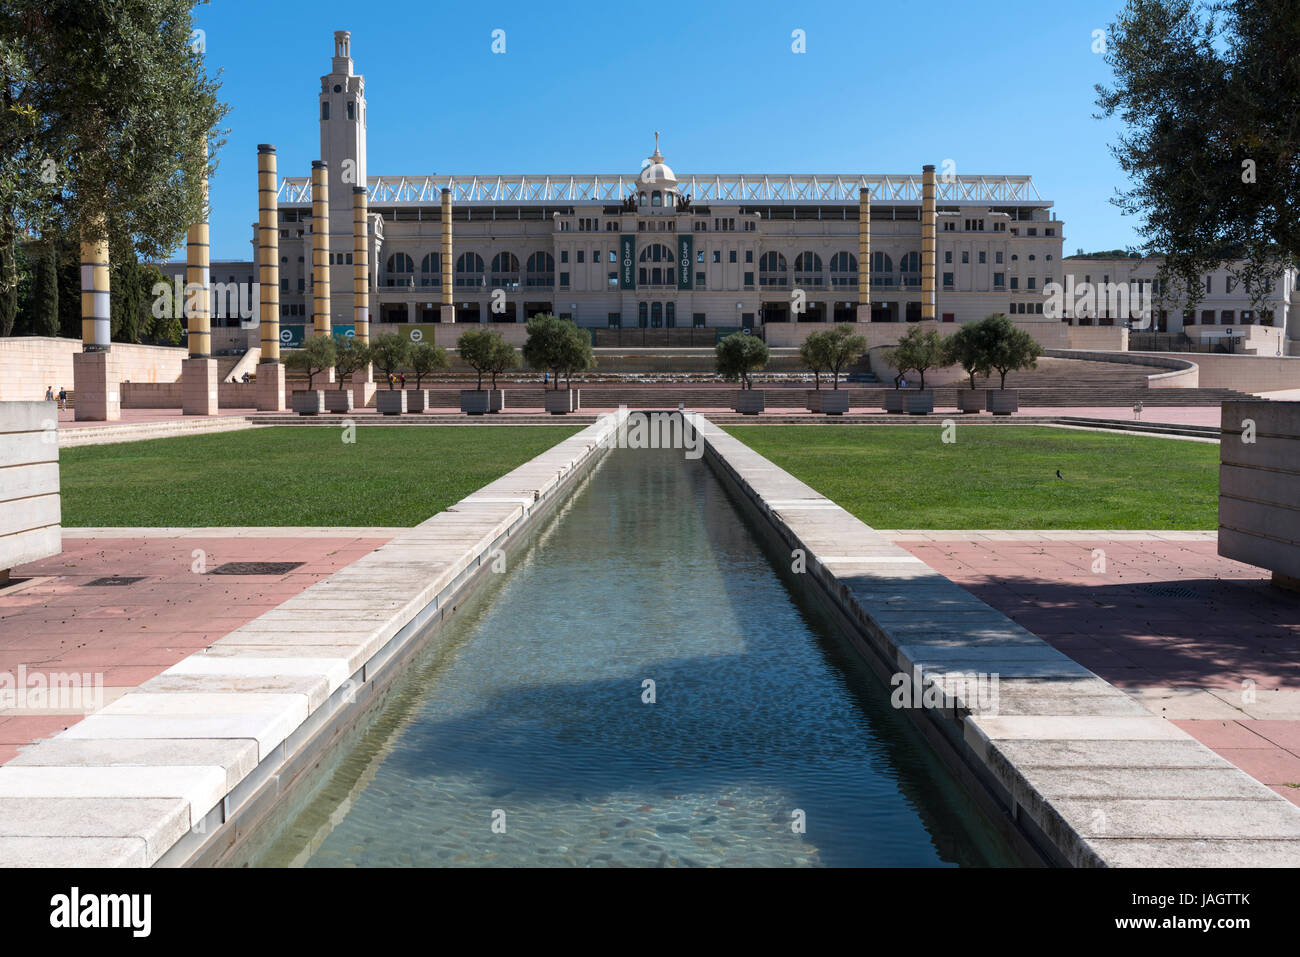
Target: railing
[(702, 189)]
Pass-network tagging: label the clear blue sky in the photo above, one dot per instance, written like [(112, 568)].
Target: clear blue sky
[(998, 87)]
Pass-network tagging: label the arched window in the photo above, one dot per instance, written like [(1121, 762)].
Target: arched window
[(656, 198), (505, 271), (880, 262), (469, 270), (656, 314), (808, 270), (772, 270), (400, 269), (910, 263), (541, 270), (431, 270), (656, 275), (844, 270)]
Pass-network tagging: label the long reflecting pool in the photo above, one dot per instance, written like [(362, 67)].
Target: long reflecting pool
[(525, 733)]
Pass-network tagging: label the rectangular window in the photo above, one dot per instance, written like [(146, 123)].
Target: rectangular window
[(1029, 283), (717, 255), (733, 256), (699, 279), (997, 257), (1015, 283), (564, 280), (947, 280), (947, 256), (581, 253), (983, 260), (613, 280), (999, 278), (965, 257), (564, 255), (749, 255), (697, 320), (749, 279)]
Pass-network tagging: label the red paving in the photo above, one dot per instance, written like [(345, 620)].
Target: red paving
[(57, 623), (1163, 614)]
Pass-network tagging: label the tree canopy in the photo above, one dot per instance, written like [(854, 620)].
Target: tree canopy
[(1209, 94), (739, 356)]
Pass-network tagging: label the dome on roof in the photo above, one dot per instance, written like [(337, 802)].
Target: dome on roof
[(655, 172)]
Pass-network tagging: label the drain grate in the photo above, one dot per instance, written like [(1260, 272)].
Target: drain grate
[(257, 568), (1169, 591), (112, 582)]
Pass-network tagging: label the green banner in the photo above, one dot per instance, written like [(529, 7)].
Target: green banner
[(627, 262), (291, 336), (685, 260)]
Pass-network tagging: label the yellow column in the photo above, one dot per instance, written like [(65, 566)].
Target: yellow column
[(927, 243), (96, 329), (361, 264), (96, 378), (448, 302), (268, 252), (864, 255), (270, 371), (197, 281), (320, 248)]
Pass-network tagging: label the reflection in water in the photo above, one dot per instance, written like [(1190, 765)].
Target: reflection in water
[(529, 711)]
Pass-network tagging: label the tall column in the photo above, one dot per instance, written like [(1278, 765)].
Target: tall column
[(270, 371), (363, 382), (199, 371), (864, 255), (927, 243), (320, 248), (96, 382), (448, 311)]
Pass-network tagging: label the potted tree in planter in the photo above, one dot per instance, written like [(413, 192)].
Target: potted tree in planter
[(503, 357), (559, 347), (390, 353), (739, 356), (349, 356), (1009, 349), (916, 351), (487, 353), (317, 355), (424, 358), (966, 348), (813, 353), (843, 346)]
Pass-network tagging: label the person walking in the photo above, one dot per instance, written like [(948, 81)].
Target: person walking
[(49, 393), (63, 398)]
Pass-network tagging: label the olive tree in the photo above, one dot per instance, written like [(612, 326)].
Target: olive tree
[(390, 354), (917, 351), (425, 357), (318, 354), (739, 356)]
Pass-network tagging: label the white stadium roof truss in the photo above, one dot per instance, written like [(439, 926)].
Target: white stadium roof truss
[(738, 188)]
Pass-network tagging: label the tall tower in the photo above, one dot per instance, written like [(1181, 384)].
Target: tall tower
[(343, 149)]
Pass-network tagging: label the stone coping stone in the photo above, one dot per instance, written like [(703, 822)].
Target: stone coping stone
[(129, 781), (1099, 778)]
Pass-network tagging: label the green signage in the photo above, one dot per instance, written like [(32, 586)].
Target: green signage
[(291, 336), (627, 262), (685, 260)]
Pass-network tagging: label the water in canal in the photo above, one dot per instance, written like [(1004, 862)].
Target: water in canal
[(524, 735)]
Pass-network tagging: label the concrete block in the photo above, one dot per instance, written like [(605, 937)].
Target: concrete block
[(270, 387), (97, 386), (199, 393)]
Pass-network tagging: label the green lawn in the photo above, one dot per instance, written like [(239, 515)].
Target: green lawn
[(999, 476), (292, 476)]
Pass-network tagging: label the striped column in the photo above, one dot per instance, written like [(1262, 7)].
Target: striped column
[(320, 248), (864, 255), (198, 282), (268, 252), (361, 264), (96, 330), (927, 242), (448, 303)]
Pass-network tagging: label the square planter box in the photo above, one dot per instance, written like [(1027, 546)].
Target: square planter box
[(417, 400), (749, 401), (473, 402), (970, 400), (563, 401), (814, 400), (919, 401), (1003, 401), (338, 400), (391, 401), (835, 402), (309, 402), (497, 400), (895, 401)]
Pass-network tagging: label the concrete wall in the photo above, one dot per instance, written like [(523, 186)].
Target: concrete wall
[(1183, 371), (1259, 486), (1243, 373), (30, 365), (29, 484)]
